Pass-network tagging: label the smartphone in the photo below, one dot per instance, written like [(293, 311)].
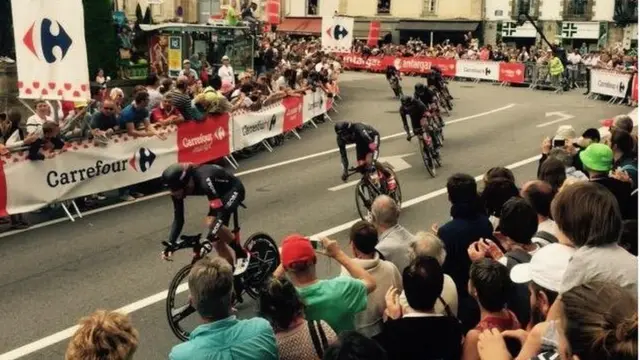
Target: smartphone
[(316, 244), (558, 143)]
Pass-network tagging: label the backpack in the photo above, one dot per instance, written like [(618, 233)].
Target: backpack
[(518, 300), (318, 337), (552, 239)]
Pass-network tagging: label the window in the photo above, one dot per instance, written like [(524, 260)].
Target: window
[(576, 7), (430, 6), (312, 7), (524, 7), (384, 6)]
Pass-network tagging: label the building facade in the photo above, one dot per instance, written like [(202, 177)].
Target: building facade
[(572, 23)]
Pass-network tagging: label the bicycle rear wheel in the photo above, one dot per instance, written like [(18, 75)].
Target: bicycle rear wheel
[(364, 198), (265, 258), (175, 315)]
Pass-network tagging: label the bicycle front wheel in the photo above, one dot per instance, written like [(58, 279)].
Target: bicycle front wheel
[(176, 314), (265, 258), (397, 193), (426, 158), (364, 198)]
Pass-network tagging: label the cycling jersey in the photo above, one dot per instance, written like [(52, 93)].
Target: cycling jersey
[(224, 192), (415, 112), (362, 135), (427, 97)]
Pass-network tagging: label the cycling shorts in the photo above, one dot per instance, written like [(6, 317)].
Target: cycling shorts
[(230, 203), (362, 149)]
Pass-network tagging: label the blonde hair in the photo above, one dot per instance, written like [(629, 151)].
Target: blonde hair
[(428, 244), (103, 335)]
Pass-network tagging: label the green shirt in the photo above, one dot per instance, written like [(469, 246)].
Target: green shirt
[(336, 301), (232, 16)]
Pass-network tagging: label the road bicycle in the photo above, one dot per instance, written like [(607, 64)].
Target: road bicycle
[(257, 260), (430, 156), (375, 183)]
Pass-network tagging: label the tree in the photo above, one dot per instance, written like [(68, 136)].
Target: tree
[(148, 19), (100, 34), (7, 45)]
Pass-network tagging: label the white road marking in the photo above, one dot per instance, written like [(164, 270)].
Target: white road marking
[(140, 304), (397, 164), (242, 173), (563, 117)]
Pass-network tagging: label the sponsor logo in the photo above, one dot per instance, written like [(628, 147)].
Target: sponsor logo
[(485, 71), (412, 64), (260, 126), (220, 134), (315, 104), (142, 160), (620, 87), (371, 62), (48, 40), (337, 32)]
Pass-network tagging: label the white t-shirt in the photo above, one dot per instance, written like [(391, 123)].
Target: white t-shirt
[(35, 122), (226, 73)]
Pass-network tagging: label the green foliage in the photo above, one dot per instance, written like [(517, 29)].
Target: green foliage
[(148, 19), (100, 34), (7, 46)]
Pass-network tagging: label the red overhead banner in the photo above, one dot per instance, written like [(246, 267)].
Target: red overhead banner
[(374, 33), (272, 12)]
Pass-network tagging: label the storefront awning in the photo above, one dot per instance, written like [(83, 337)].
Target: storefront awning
[(301, 26), (437, 26)]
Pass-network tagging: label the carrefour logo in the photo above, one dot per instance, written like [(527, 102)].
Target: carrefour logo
[(141, 161)]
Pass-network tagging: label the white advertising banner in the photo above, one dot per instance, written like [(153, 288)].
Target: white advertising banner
[(314, 104), (512, 30), (609, 83), (250, 128), (483, 70), (337, 33), (51, 50), (580, 30), (84, 168)]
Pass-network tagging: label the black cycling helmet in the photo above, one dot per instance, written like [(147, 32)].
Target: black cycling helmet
[(406, 100), (420, 88), (341, 127), (177, 176)]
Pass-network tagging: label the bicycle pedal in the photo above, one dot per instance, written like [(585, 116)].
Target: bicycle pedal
[(242, 264)]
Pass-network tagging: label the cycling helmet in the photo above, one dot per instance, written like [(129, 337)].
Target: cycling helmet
[(177, 176), (406, 100), (341, 127), (420, 88)]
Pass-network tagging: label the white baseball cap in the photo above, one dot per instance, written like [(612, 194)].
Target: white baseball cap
[(546, 268)]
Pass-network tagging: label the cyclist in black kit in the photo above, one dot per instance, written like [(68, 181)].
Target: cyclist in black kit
[(224, 192), (429, 99), (366, 138), (417, 112)]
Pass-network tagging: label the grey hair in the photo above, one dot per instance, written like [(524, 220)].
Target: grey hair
[(623, 122), (562, 155), (385, 211), (210, 287), (428, 244)]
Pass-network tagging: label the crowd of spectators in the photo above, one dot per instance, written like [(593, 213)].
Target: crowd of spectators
[(541, 268)]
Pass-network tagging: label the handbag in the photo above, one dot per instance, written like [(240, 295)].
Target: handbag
[(319, 342)]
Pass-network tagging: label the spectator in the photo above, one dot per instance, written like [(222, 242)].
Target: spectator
[(35, 121), (14, 134), (489, 284), (623, 158), (598, 321), (165, 114), (544, 276), (222, 335), (496, 192), (363, 239), (468, 225), (103, 335), (152, 88), (629, 238), (76, 124), (336, 300), (180, 100), (226, 71), (188, 72), (104, 123), (539, 195), (282, 306), (49, 140), (598, 162), (428, 244), (498, 173), (553, 172), (423, 333), (136, 114), (588, 219), (352, 345), (394, 239)]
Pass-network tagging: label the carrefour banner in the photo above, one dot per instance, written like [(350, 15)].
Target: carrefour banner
[(610, 83)]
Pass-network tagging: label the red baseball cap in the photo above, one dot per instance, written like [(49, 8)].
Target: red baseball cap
[(296, 248)]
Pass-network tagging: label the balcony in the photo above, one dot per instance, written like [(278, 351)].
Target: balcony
[(578, 10), (531, 7)]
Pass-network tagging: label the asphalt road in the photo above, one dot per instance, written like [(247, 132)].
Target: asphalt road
[(53, 275)]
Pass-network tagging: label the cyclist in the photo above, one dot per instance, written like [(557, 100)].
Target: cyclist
[(436, 82), (225, 193), (418, 113), (430, 100), (394, 78)]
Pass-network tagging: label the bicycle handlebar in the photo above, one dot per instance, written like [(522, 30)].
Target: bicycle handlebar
[(188, 241)]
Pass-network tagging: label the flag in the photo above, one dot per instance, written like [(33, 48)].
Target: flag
[(272, 12), (374, 33), (51, 50), (337, 33)]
